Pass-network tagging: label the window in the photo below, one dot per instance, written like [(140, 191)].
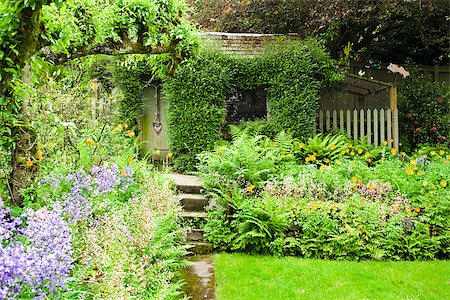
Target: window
[(246, 104)]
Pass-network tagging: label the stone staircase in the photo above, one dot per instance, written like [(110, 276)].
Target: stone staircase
[(193, 213)]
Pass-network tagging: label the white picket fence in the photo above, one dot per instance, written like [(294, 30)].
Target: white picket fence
[(376, 126)]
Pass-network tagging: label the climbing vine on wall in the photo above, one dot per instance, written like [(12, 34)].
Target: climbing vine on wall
[(292, 71)]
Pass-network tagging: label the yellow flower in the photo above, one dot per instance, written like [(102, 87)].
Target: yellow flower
[(90, 142), (350, 146), (169, 154), (301, 145), (157, 152), (433, 152), (403, 153), (409, 171), (347, 150), (408, 210), (314, 207), (425, 183), (420, 151), (125, 125), (359, 218), (369, 160), (326, 160), (425, 155), (332, 147), (123, 173), (416, 209), (342, 152), (415, 168), (443, 183), (395, 208), (353, 164), (52, 143), (313, 158), (352, 153), (354, 179), (334, 206), (445, 161), (385, 143), (274, 144), (250, 188), (371, 187), (360, 151), (420, 173), (38, 152), (28, 163), (441, 152), (412, 162), (129, 160), (307, 159), (322, 168), (282, 155), (393, 151), (367, 154), (130, 133)]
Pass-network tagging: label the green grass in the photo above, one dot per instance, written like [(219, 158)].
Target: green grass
[(261, 277)]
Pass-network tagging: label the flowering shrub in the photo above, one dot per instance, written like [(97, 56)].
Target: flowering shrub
[(424, 109)]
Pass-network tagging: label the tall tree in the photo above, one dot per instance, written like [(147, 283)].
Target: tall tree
[(60, 30)]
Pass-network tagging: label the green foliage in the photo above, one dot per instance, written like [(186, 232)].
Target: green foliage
[(293, 72), (424, 108), (368, 203), (321, 149), (196, 106)]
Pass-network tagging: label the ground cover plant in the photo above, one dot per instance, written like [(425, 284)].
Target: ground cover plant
[(241, 276), (327, 197)]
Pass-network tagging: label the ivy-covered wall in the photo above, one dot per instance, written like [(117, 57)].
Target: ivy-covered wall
[(293, 71)]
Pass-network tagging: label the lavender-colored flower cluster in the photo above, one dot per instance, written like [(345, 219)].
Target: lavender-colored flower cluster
[(42, 265)]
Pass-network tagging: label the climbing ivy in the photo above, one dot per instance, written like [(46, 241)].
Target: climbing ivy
[(292, 71)]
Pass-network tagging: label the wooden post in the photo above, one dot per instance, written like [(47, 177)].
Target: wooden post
[(393, 97)]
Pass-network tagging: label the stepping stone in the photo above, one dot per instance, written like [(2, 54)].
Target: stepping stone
[(187, 183), (195, 235), (193, 202), (199, 247), (192, 214)]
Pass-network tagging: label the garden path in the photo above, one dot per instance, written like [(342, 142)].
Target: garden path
[(199, 277)]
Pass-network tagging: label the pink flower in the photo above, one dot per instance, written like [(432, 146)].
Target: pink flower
[(418, 129), (416, 123), (434, 129), (440, 100), (409, 116)]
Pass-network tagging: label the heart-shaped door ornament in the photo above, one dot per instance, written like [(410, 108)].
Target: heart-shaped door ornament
[(157, 127)]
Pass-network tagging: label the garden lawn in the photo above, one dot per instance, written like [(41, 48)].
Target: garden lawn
[(241, 276)]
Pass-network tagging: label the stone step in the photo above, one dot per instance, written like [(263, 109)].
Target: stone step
[(198, 247), (192, 214), (193, 202), (195, 235), (187, 183)]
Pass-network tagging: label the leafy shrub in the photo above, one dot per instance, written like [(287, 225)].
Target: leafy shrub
[(424, 108)]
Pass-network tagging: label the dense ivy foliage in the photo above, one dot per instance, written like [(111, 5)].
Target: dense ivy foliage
[(292, 71)]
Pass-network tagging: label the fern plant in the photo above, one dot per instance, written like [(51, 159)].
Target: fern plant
[(320, 148)]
